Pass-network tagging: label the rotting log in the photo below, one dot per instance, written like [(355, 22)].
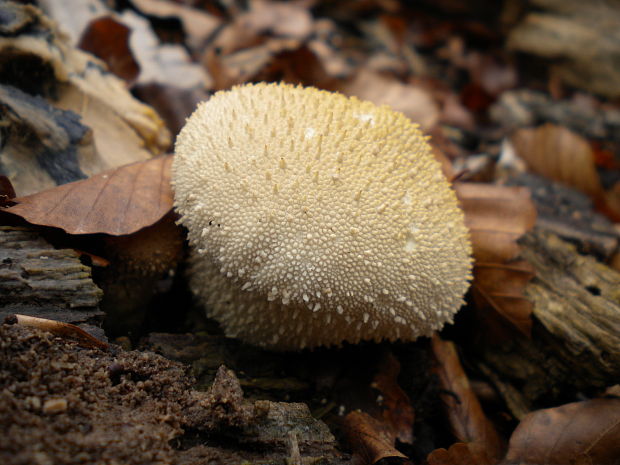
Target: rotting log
[(575, 344), (38, 280)]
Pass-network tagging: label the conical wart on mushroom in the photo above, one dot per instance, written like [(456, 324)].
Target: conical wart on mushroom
[(315, 219)]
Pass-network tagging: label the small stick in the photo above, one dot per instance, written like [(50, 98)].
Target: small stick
[(59, 329)]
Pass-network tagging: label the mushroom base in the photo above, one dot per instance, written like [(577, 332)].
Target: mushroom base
[(251, 317)]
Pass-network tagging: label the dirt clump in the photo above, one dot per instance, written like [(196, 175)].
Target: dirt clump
[(63, 404)]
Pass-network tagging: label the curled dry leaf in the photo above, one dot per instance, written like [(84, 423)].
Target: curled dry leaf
[(577, 433), (497, 217), (398, 411), (370, 439), (58, 328), (467, 419), (118, 202)]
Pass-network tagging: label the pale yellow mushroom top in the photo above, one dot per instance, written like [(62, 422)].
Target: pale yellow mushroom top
[(315, 219)]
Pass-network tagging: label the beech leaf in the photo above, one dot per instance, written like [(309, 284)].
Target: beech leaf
[(117, 202), (559, 154), (398, 411), (585, 432), (467, 419), (497, 217)]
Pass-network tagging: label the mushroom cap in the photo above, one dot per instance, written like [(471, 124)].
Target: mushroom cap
[(316, 218)]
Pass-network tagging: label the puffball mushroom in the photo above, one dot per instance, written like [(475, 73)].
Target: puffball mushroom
[(315, 219)]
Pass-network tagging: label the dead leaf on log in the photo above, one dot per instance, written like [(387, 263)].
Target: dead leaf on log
[(497, 217), (467, 419), (108, 39), (58, 328), (118, 202), (398, 411), (585, 432), (370, 439)]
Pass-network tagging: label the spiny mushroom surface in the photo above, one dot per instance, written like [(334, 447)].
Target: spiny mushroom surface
[(315, 219)]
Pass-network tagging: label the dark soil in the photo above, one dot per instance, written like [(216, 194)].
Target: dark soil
[(63, 404)]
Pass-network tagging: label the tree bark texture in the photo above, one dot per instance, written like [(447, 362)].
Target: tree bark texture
[(575, 344), (37, 279)]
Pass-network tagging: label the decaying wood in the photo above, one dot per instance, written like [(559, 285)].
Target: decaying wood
[(570, 214), (583, 38), (72, 92), (526, 107), (37, 279), (575, 344)]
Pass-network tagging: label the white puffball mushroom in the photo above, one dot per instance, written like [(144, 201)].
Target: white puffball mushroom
[(316, 218)]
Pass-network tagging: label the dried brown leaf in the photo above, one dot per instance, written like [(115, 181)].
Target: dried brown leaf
[(117, 202), (496, 217), (415, 102), (581, 433), (398, 411), (559, 154), (467, 419), (370, 439), (459, 453), (498, 291), (108, 39)]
